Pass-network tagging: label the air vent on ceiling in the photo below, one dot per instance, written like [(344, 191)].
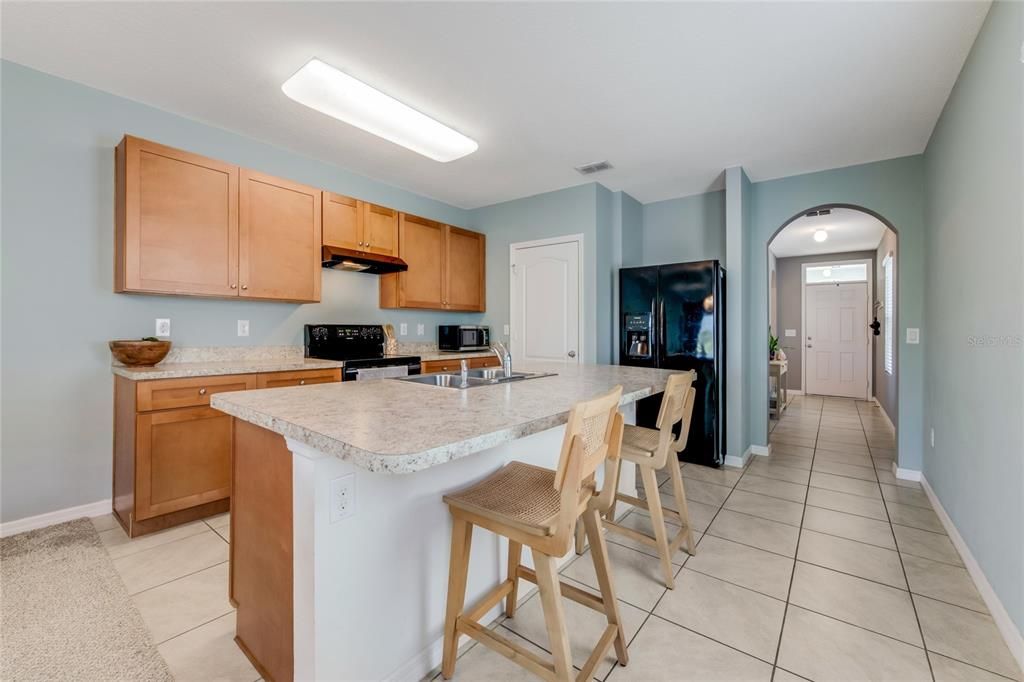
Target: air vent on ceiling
[(824, 211), (596, 167)]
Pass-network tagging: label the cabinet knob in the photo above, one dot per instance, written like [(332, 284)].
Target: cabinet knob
[(245, 286), (234, 286), (302, 382), (202, 391)]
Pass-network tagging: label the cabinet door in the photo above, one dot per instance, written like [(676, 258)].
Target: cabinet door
[(477, 363), (421, 245), (176, 218), (464, 276), (431, 366), (342, 221), (279, 239), (380, 230), (298, 378), (183, 459)]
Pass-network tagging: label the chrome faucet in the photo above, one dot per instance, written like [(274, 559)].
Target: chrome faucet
[(501, 350), (464, 373)]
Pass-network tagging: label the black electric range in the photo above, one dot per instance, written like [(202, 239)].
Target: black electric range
[(358, 346)]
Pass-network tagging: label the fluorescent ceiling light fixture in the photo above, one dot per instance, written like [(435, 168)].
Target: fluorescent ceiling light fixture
[(322, 87), (820, 235)]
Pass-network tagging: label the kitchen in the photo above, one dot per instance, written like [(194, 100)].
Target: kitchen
[(348, 334)]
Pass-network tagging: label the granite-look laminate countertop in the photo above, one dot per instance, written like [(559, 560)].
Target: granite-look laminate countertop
[(394, 426), (432, 356), (179, 370)]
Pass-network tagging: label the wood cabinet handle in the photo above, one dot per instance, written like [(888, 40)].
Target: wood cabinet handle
[(245, 286), (234, 286), (302, 382), (202, 391)]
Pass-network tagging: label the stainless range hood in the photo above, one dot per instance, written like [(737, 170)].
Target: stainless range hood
[(338, 258)]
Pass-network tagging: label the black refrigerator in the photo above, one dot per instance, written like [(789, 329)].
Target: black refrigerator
[(673, 317)]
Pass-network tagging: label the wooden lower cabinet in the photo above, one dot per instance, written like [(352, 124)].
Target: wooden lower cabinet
[(172, 451)]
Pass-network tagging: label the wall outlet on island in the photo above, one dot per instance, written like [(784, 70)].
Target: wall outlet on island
[(403, 329), (419, 330), (343, 497), (243, 327), (506, 330), (163, 327)]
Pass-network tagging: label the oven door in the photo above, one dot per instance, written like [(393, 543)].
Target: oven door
[(352, 368)]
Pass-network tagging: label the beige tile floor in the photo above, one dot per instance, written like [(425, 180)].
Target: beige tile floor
[(812, 563)]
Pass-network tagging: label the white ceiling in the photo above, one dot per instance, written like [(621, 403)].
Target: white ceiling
[(670, 93), (848, 230)]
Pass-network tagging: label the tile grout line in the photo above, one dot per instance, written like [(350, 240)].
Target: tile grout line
[(796, 552)]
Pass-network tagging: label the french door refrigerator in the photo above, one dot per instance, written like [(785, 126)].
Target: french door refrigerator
[(673, 317)]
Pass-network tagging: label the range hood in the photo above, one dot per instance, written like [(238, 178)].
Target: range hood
[(361, 261)]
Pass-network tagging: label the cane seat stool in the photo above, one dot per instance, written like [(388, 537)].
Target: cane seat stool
[(653, 450), (539, 508)]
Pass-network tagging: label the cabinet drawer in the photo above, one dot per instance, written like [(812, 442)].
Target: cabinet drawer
[(183, 460), (164, 394), (431, 366), (477, 363), (303, 377)]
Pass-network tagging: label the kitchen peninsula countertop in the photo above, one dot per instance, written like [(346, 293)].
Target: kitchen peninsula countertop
[(398, 427), (180, 370)]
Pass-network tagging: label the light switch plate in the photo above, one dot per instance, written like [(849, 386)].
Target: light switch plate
[(913, 335), (163, 327), (506, 330), (403, 329), (790, 332), (419, 330), (243, 327)]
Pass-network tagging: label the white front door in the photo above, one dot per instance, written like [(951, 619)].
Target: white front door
[(836, 339), (545, 301)]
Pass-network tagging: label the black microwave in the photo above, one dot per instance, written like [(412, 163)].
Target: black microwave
[(456, 337)]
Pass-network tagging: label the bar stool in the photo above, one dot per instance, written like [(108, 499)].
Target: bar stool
[(539, 508), (652, 450)]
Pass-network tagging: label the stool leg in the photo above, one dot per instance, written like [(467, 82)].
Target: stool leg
[(554, 615), (683, 509), (458, 571), (515, 556), (580, 544), (650, 482), (599, 552)]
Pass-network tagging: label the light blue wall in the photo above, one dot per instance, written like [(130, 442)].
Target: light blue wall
[(608, 251), (552, 214), (737, 305), (975, 285), (58, 307), (893, 189), (632, 214), (684, 229)]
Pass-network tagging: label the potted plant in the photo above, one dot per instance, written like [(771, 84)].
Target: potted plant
[(773, 345)]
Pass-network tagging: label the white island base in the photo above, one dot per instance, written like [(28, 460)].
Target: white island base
[(370, 589)]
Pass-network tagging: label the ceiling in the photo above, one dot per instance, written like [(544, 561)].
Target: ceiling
[(848, 230), (669, 93)]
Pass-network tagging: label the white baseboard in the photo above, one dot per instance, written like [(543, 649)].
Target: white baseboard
[(735, 461), (794, 391), (761, 450), (50, 518), (905, 474), (1011, 635)]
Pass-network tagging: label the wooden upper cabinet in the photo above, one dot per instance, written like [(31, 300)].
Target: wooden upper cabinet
[(446, 268), (464, 274), (380, 229), (279, 239), (176, 216), (343, 221)]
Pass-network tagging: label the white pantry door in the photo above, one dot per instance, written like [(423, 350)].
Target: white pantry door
[(545, 301), (837, 339)]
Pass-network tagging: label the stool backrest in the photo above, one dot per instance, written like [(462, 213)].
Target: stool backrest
[(593, 437), (676, 407)]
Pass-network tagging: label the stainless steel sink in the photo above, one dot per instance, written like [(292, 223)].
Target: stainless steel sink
[(474, 378)]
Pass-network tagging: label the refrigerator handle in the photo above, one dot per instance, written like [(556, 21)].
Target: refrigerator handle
[(661, 329)]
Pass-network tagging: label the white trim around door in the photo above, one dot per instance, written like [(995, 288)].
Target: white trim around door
[(803, 320), (566, 239)]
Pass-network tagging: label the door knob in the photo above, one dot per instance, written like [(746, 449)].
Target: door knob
[(810, 346), (572, 354)]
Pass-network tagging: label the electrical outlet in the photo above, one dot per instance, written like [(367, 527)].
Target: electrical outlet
[(403, 329), (790, 332), (933, 436), (913, 335), (419, 330), (343, 497), (163, 327), (243, 327), (506, 331)]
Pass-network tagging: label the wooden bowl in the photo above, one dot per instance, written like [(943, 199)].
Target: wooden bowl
[(139, 353)]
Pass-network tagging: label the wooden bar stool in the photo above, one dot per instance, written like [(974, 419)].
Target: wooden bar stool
[(539, 508), (652, 450)]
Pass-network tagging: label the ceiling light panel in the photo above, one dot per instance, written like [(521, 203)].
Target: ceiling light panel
[(322, 87), (820, 235)]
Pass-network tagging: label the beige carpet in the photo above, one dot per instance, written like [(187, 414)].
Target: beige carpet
[(65, 614)]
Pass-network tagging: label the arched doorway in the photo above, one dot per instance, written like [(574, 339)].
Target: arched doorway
[(832, 273)]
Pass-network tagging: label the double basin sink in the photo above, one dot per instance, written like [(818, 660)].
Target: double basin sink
[(474, 378)]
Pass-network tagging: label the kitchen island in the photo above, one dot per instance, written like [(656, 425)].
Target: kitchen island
[(339, 536)]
